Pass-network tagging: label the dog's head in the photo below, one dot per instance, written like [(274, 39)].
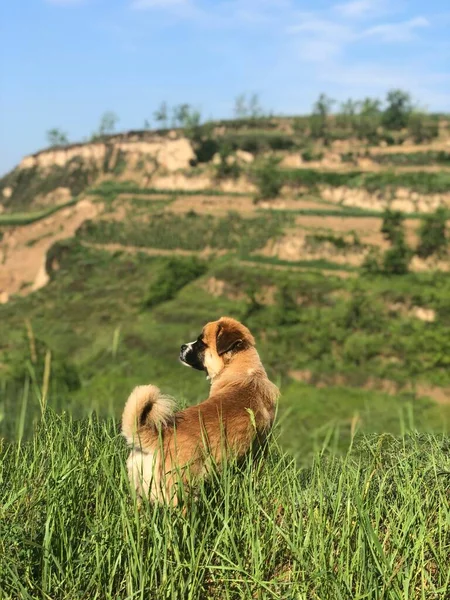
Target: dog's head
[(216, 345)]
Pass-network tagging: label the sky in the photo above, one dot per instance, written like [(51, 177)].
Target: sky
[(63, 63)]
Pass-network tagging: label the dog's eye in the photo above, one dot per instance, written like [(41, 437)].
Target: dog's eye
[(200, 342)]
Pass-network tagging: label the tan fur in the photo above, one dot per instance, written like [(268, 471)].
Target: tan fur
[(169, 448)]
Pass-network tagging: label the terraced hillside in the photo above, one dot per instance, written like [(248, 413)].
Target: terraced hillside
[(114, 253)]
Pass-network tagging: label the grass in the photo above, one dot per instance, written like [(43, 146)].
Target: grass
[(12, 219), (371, 523)]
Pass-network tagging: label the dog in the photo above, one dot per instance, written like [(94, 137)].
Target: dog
[(170, 448)]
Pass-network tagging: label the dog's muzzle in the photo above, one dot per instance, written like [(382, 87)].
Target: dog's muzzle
[(184, 351), (191, 356)]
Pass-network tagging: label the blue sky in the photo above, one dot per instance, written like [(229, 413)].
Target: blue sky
[(65, 62)]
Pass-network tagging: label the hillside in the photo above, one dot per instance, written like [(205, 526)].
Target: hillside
[(116, 251), (334, 250)]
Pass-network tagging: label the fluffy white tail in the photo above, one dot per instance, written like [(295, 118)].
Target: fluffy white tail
[(146, 408)]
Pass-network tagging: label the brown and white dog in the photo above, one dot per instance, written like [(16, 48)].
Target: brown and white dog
[(170, 447)]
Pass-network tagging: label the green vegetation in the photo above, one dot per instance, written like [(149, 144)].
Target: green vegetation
[(31, 217), (422, 182), (111, 189), (188, 232), (338, 241), (56, 137), (339, 528), (258, 142), (174, 275), (399, 108), (433, 234), (339, 327), (269, 179), (418, 159)]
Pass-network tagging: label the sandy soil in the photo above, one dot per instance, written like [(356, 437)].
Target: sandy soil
[(23, 249)]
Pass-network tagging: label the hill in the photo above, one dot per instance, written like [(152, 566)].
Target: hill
[(329, 238), (116, 251)]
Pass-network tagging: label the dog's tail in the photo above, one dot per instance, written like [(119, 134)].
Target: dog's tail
[(145, 410)]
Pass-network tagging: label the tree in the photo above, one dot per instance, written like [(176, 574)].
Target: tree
[(319, 118), (108, 123), (56, 137), (269, 179), (180, 114), (396, 259), (240, 107), (399, 107), (369, 118), (433, 234), (392, 226), (421, 127), (161, 115), (347, 114), (254, 107)]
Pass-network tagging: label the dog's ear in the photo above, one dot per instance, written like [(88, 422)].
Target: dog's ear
[(227, 338)]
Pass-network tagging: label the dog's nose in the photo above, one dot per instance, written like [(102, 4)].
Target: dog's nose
[(183, 348)]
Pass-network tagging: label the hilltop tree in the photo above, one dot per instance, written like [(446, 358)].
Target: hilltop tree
[(56, 137), (108, 123), (319, 118), (254, 107), (347, 113), (240, 107), (399, 107), (369, 118), (161, 115)]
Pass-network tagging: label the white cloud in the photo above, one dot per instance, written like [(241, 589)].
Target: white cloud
[(397, 32), (356, 8)]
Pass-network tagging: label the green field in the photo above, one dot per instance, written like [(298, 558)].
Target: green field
[(372, 523), (111, 320)]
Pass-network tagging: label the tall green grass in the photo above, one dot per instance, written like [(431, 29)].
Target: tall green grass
[(370, 524)]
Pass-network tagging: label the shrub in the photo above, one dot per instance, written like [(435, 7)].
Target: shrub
[(228, 165), (372, 264), (433, 234), (178, 272), (396, 259), (309, 155), (205, 149), (422, 128), (269, 179), (392, 225)]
